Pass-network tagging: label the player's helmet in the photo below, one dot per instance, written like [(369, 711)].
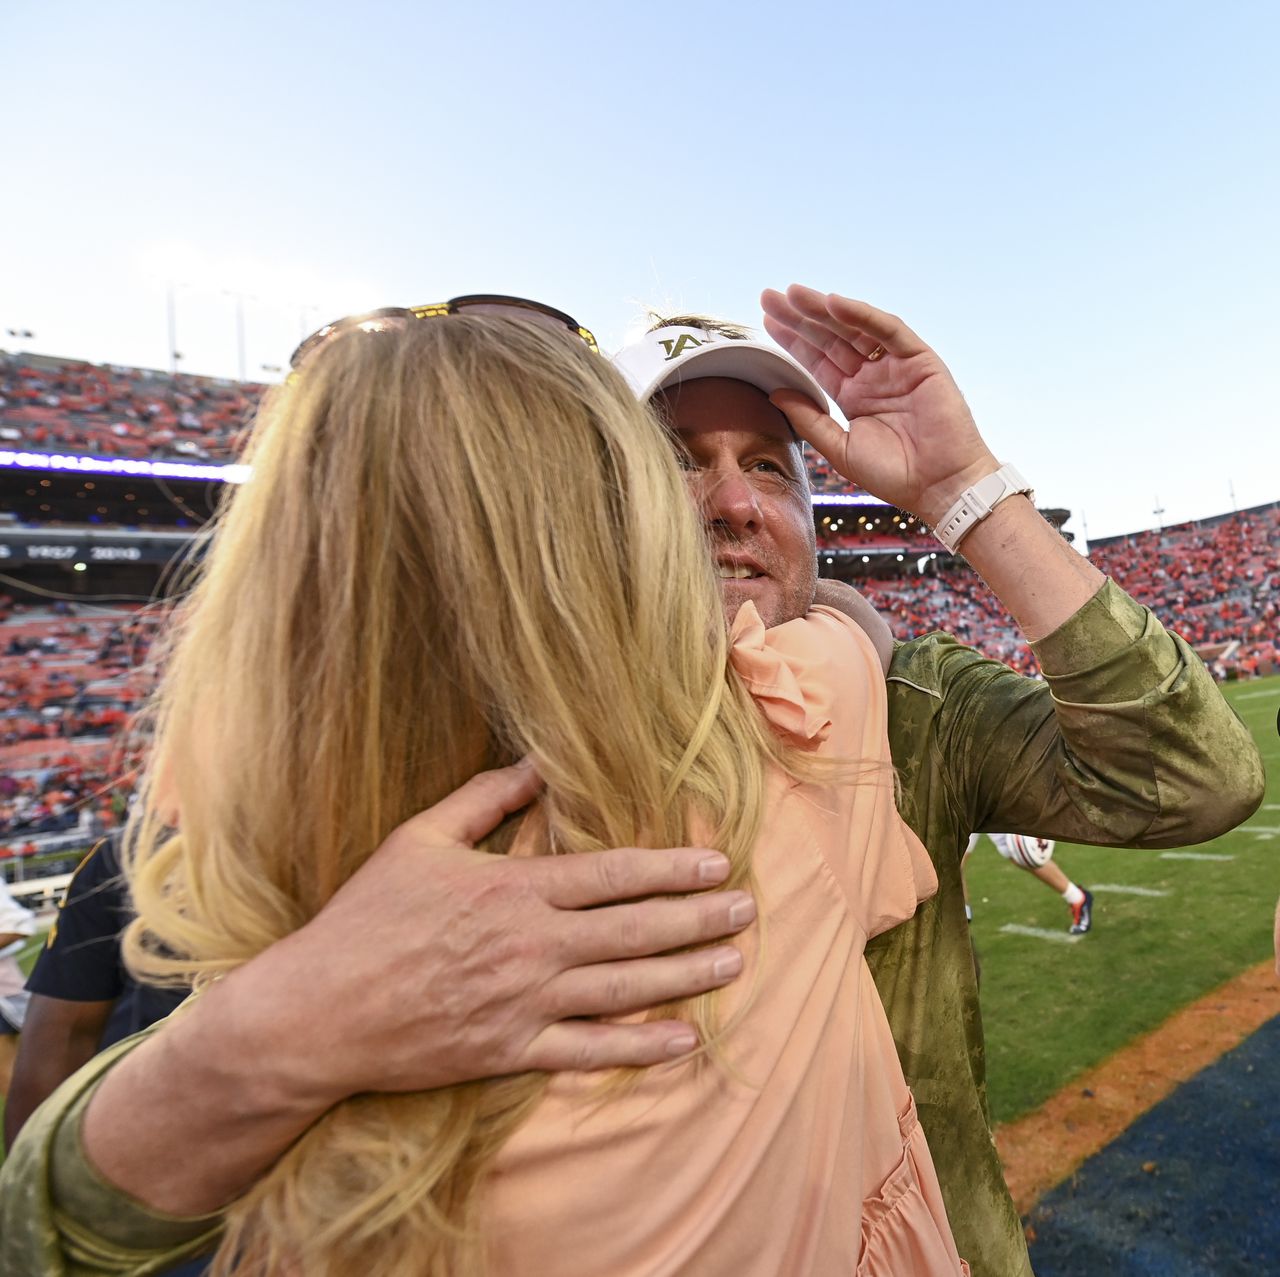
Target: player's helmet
[(1029, 852)]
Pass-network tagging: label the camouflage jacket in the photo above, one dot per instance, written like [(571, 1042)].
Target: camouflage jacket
[(1126, 742)]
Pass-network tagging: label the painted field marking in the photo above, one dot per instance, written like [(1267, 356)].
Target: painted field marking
[(1121, 888), (1271, 806), (1062, 937), (1192, 855), (1260, 829), (1253, 696)]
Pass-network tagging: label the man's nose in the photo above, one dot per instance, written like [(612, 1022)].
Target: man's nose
[(728, 501)]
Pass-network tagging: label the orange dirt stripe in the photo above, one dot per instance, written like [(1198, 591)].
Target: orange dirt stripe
[(1041, 1149)]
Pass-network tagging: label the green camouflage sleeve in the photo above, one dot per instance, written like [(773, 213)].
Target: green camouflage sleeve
[(59, 1218), (1126, 742)]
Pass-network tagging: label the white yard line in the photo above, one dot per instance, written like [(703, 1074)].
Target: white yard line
[(1120, 888), (1192, 855), (1253, 696), (1260, 829), (1061, 937)]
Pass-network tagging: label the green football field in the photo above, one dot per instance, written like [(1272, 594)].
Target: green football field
[(1052, 1008)]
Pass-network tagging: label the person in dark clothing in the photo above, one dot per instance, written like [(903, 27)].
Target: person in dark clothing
[(82, 997)]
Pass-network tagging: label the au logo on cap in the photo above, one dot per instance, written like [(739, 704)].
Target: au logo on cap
[(676, 346)]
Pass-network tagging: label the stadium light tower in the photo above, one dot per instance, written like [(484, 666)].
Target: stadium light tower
[(240, 299), (172, 309)]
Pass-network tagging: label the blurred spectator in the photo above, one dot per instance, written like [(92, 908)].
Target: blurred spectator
[(82, 999)]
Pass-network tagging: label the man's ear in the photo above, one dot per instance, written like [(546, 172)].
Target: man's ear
[(844, 598)]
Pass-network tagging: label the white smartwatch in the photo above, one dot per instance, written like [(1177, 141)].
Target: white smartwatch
[(977, 502)]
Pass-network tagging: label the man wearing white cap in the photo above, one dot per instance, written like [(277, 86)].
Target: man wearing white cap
[(1125, 742)]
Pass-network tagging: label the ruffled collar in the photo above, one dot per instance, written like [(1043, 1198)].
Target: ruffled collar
[(788, 686)]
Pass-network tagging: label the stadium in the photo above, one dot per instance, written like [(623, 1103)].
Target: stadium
[(108, 474)]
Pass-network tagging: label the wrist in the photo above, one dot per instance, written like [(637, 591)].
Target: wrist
[(270, 1015), (978, 502), (209, 1078), (253, 1040), (939, 497)]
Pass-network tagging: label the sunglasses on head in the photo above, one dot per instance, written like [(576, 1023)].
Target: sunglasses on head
[(392, 317)]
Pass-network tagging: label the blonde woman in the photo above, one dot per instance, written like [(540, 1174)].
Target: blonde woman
[(464, 543)]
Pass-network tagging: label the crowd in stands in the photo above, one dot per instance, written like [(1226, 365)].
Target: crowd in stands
[(57, 405), (70, 676), (61, 405), (956, 601), (1217, 580)]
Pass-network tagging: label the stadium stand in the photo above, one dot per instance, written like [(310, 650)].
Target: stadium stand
[(70, 676), (59, 405), (873, 528), (1231, 562), (954, 600)]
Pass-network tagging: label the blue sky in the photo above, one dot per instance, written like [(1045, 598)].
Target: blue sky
[(1076, 205)]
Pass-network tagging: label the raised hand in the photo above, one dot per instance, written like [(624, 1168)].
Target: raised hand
[(911, 440)]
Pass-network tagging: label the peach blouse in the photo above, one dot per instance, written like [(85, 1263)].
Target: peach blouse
[(805, 1155)]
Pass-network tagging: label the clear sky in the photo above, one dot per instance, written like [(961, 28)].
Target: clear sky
[(1077, 205)]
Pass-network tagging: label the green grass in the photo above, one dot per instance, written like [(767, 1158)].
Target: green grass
[(1051, 1011)]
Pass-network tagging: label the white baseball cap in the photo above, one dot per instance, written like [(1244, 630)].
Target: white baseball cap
[(667, 356)]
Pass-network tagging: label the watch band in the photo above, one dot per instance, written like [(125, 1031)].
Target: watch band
[(977, 502)]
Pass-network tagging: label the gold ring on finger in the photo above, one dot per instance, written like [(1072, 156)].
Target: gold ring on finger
[(877, 353)]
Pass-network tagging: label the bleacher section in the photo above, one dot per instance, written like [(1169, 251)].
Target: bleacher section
[(54, 405), (59, 405), (70, 676), (1218, 580)]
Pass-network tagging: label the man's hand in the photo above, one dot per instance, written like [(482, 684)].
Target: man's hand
[(457, 965), (433, 964), (911, 441)]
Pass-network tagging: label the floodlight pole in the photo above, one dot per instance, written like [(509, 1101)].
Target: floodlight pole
[(173, 330)]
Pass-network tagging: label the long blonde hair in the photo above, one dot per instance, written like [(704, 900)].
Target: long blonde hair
[(461, 543)]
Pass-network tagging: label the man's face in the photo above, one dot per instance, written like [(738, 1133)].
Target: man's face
[(748, 480)]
